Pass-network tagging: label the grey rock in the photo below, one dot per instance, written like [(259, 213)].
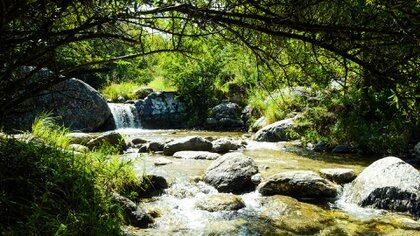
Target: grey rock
[(120, 99), (224, 145), (275, 132), (203, 155), (225, 116), (256, 179), (155, 146), (160, 161), (298, 184), (80, 138), (220, 202), (341, 149), (75, 105), (338, 175), (160, 110), (417, 151), (136, 141), (142, 148), (152, 185), (133, 213), (143, 93), (232, 173), (388, 183), (258, 124), (321, 146), (190, 143), (111, 137)]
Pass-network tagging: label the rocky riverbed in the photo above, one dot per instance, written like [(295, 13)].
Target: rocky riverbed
[(193, 205)]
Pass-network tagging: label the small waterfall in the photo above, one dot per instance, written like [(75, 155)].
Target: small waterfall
[(125, 115)]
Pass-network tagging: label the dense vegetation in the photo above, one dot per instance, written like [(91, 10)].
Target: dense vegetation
[(48, 189), (350, 68), (254, 48)]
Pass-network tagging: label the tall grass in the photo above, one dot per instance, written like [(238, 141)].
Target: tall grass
[(127, 90), (46, 190)]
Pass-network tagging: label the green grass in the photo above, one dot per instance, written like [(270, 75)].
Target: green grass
[(276, 105), (127, 90), (48, 190), (160, 84)]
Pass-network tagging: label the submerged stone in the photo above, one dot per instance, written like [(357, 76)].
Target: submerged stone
[(203, 155), (220, 202)]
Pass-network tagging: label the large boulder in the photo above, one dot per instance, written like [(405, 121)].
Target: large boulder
[(417, 151), (224, 145), (161, 110), (202, 155), (298, 184), (189, 143), (390, 184), (74, 103), (275, 132), (232, 173), (225, 116)]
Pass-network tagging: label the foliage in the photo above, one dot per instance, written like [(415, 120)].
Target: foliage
[(60, 191)]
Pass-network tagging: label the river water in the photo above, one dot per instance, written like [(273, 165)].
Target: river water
[(276, 215)]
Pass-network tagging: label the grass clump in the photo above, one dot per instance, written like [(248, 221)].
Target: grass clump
[(125, 90), (46, 190)]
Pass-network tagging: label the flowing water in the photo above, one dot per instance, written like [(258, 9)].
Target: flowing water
[(125, 115), (276, 215)]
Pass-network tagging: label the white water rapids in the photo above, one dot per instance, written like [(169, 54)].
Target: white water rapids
[(125, 115)]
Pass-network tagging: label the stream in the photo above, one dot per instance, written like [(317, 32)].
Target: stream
[(177, 213)]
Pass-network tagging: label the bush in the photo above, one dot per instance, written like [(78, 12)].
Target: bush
[(47, 190)]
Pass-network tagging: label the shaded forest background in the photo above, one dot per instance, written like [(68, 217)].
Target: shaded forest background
[(216, 48)]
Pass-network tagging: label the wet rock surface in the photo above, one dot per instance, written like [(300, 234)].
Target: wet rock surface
[(190, 143), (299, 184), (232, 173), (389, 183)]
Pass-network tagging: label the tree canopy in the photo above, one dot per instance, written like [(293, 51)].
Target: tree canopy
[(70, 37)]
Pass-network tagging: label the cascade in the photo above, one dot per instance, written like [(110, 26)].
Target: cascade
[(125, 115)]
